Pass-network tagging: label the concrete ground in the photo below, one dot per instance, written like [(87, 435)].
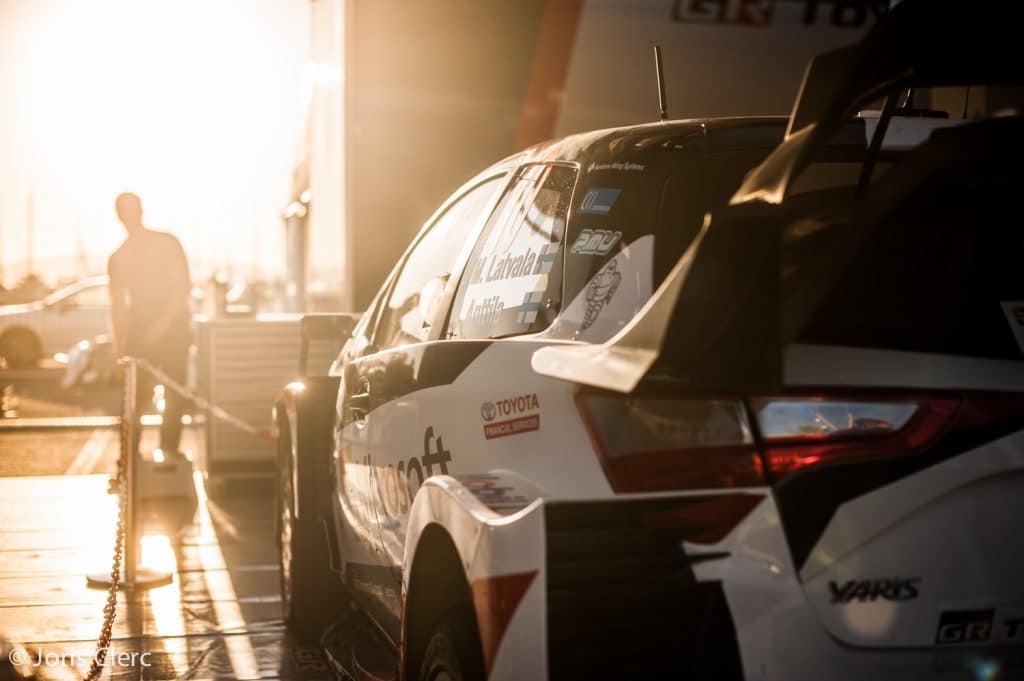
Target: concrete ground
[(220, 618), (36, 392)]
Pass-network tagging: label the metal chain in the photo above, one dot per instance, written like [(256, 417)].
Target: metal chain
[(127, 421), (110, 607)]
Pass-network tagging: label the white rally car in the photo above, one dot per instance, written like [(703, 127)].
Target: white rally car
[(451, 488), (598, 424)]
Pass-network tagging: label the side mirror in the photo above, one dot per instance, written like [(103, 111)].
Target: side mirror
[(323, 327)]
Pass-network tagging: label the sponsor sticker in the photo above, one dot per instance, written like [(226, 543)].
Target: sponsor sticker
[(521, 410), (596, 241), (530, 308), (600, 291), (599, 200), (501, 496), (509, 281), (524, 424), (964, 626), (399, 480), (979, 626), (618, 165)]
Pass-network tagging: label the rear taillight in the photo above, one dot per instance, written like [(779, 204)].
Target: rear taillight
[(801, 431), (650, 443)]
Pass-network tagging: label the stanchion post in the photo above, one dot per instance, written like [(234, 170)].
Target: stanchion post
[(134, 576), (131, 539), (131, 576)]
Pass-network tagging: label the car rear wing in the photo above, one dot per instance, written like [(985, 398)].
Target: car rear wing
[(919, 43), (713, 324), (720, 321)]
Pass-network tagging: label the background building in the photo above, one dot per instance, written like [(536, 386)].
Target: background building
[(397, 124)]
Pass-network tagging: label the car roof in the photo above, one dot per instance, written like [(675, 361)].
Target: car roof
[(701, 135), (697, 134), (75, 287)]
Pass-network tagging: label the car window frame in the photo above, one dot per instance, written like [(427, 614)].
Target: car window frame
[(503, 177), (512, 174), (69, 301), (64, 293)]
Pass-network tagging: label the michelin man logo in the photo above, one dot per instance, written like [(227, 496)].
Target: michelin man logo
[(600, 292)]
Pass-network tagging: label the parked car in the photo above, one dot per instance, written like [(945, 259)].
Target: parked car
[(90, 363), (866, 329), (588, 430), (34, 330), (450, 450)]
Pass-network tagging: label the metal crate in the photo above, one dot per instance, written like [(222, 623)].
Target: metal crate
[(243, 365)]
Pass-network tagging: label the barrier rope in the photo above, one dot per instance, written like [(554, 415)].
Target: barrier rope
[(218, 413)]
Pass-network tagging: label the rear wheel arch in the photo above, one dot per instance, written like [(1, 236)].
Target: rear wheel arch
[(438, 590)]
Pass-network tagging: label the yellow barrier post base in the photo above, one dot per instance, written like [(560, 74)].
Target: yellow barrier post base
[(144, 579)]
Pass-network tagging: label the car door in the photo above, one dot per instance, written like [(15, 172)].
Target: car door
[(76, 317), (379, 448), (355, 518)]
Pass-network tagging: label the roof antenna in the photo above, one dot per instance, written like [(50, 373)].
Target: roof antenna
[(660, 69)]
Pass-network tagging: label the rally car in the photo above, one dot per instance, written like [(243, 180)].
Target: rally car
[(441, 459), (598, 424)]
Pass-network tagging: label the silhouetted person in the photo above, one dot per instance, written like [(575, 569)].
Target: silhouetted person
[(149, 291)]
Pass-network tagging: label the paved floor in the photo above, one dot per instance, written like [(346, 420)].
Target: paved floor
[(35, 392), (219, 619)]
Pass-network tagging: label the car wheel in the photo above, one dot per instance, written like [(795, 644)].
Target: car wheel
[(309, 588), (20, 347), (453, 651)]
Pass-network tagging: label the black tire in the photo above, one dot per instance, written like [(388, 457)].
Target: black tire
[(453, 650), (20, 347), (310, 591)]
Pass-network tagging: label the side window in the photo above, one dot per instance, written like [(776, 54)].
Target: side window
[(512, 284), (412, 303), (91, 296)]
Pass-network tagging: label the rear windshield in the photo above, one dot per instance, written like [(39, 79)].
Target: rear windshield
[(942, 272), (836, 168), (663, 193)]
